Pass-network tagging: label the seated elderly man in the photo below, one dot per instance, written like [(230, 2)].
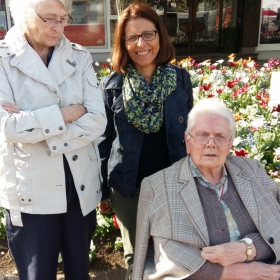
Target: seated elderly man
[(210, 215)]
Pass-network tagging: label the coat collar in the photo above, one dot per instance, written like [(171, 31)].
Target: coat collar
[(25, 59)]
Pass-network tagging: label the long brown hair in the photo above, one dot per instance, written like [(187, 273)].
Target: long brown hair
[(120, 58)]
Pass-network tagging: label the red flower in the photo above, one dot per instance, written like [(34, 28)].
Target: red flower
[(232, 63), (276, 108), (115, 221), (210, 95), (219, 91), (231, 84), (241, 153), (206, 86), (212, 67), (105, 64)]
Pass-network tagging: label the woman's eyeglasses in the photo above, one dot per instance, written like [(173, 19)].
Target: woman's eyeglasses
[(148, 35), (203, 139), (52, 21)]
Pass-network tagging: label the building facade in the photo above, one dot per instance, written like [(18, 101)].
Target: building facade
[(198, 28)]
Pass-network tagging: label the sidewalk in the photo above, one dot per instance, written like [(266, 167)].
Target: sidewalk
[(116, 274)]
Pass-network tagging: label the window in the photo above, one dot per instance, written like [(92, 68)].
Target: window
[(3, 20), (88, 27), (270, 22)]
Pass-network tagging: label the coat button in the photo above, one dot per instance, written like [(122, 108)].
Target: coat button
[(54, 148), (65, 145), (73, 45), (120, 151), (47, 130), (271, 240), (82, 187), (75, 157), (180, 119), (119, 129), (8, 53), (60, 128)]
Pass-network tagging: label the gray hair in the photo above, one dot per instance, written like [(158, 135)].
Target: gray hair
[(211, 106), (24, 11)]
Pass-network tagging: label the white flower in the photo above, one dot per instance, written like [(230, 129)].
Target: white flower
[(251, 64), (220, 61), (254, 150), (274, 122), (258, 157), (102, 222), (109, 59), (257, 123), (277, 152), (96, 63), (92, 246), (206, 63), (59, 258), (118, 239), (267, 136), (236, 141), (3, 221)]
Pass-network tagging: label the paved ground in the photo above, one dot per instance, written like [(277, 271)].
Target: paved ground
[(116, 274)]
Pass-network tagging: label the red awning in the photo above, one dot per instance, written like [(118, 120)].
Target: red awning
[(269, 13)]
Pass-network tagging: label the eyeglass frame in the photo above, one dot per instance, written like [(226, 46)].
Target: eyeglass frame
[(68, 21), (209, 138), (138, 36)]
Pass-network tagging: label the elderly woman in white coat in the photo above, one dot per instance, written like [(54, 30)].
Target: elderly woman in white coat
[(51, 114)]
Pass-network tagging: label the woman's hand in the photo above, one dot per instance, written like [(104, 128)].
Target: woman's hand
[(227, 253), (11, 108), (251, 271), (104, 206), (72, 112)]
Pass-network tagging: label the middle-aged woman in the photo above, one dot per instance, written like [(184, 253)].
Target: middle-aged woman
[(147, 102), (210, 215), (52, 113)]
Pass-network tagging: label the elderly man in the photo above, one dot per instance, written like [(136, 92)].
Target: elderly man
[(210, 215)]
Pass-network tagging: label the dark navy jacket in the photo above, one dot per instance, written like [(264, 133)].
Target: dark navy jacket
[(120, 146)]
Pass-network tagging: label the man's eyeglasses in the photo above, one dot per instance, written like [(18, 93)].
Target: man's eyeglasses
[(204, 138), (52, 21), (148, 35)]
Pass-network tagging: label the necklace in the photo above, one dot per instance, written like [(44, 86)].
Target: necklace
[(222, 192)]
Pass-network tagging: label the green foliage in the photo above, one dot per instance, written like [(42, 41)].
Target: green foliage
[(2, 224)]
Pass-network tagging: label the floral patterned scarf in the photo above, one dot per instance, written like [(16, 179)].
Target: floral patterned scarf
[(143, 102)]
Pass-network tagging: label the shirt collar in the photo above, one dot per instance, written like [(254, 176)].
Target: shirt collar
[(197, 174)]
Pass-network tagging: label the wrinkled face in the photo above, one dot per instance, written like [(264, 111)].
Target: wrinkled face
[(142, 53), (39, 33), (210, 155)]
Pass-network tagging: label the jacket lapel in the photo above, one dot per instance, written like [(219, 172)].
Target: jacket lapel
[(62, 64), (30, 63), (188, 193), (245, 185)]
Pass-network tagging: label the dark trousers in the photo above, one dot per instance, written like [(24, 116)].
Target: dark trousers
[(36, 245)]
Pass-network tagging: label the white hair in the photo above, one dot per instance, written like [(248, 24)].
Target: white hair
[(24, 11), (211, 106)]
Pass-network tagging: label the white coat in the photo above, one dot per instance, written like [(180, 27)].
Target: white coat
[(32, 142)]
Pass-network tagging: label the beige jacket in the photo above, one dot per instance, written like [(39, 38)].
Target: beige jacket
[(170, 211), (33, 141)]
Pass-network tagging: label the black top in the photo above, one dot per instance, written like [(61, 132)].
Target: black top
[(154, 155)]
